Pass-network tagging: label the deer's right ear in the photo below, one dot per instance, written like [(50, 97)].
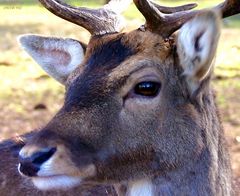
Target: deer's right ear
[(58, 57), (196, 45)]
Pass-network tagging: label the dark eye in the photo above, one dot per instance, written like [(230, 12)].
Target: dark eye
[(149, 89)]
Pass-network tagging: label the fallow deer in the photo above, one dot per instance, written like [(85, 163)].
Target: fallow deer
[(139, 112)]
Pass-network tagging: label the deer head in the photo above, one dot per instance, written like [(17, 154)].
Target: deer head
[(138, 105)]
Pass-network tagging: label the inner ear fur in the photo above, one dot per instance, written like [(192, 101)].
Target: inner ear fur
[(57, 56), (197, 43)]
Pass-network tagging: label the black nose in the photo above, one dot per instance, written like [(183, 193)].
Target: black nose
[(29, 166)]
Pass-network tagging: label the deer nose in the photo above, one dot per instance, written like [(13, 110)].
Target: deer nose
[(29, 166)]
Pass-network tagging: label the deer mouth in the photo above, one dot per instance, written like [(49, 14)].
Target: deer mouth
[(51, 168), (49, 178), (53, 182)]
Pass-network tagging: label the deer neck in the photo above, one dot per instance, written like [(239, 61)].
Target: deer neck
[(209, 174)]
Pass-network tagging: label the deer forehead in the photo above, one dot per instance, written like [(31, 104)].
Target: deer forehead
[(116, 52)]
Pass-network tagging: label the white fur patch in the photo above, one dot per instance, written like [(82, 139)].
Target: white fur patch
[(56, 182), (57, 56), (141, 188)]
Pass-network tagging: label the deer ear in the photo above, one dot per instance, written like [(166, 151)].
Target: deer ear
[(196, 47), (58, 57)]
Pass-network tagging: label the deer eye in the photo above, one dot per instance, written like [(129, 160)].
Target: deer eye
[(148, 89)]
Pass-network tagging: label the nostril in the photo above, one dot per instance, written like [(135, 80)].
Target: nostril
[(39, 158), (27, 169), (29, 166)]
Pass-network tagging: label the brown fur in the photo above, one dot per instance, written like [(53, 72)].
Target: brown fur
[(178, 143)]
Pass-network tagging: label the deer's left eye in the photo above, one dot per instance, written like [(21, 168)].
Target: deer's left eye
[(150, 89)]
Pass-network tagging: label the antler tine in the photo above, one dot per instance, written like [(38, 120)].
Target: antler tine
[(158, 20), (169, 10), (96, 21), (229, 8), (149, 11), (166, 24)]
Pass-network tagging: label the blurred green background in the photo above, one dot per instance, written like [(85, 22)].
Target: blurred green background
[(29, 98)]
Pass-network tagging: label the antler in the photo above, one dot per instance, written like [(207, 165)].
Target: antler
[(97, 21), (169, 10), (229, 8), (164, 22)]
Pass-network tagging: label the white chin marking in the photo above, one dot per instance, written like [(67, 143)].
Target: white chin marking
[(56, 182), (141, 188)]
